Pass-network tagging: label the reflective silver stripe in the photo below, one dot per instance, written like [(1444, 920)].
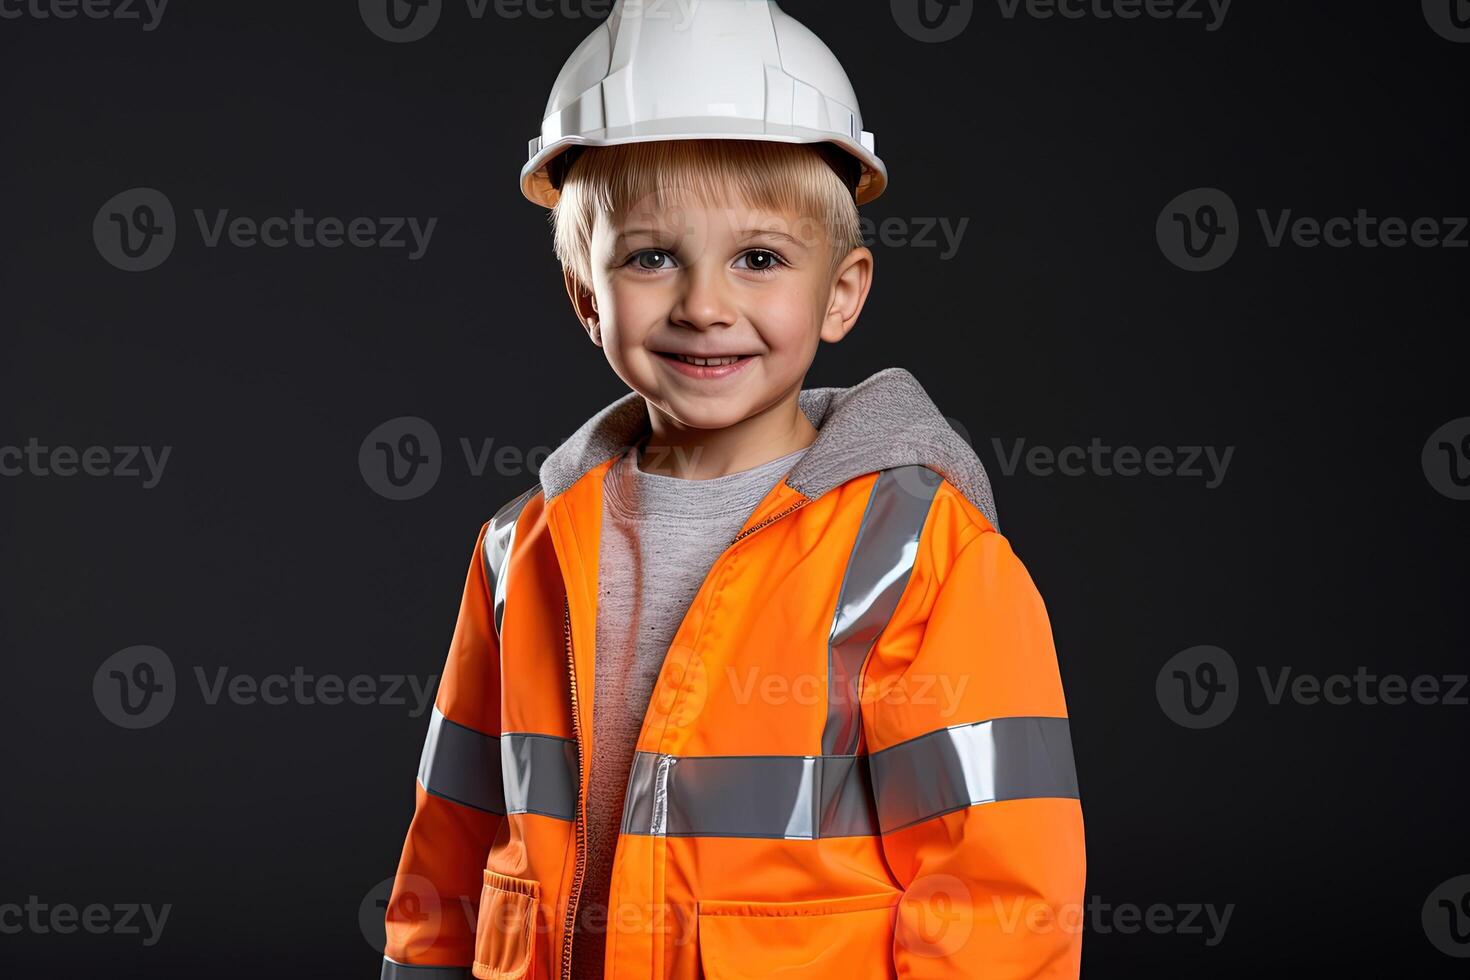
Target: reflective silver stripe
[(518, 772), (393, 970), (498, 542), (877, 572), (983, 762), (461, 765), (540, 774), (799, 796)]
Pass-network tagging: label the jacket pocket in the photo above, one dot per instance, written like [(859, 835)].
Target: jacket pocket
[(505, 935), (848, 938)]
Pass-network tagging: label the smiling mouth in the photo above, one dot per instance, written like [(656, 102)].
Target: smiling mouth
[(705, 361)]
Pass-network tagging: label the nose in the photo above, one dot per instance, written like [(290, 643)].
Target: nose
[(704, 300)]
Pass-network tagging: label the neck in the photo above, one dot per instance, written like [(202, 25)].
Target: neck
[(687, 453)]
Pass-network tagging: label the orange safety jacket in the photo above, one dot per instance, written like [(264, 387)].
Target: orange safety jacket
[(855, 763)]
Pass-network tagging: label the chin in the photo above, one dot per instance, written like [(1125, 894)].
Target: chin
[(695, 418)]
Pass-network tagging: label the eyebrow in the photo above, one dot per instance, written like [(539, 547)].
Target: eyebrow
[(773, 233), (743, 233)]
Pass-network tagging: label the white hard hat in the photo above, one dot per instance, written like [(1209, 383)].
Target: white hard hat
[(701, 69)]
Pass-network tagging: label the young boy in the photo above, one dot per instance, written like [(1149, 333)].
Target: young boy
[(748, 684)]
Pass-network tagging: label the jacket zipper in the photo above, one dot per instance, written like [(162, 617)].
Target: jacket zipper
[(774, 517), (577, 829)]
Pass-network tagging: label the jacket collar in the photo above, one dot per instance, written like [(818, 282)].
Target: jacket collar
[(886, 420)]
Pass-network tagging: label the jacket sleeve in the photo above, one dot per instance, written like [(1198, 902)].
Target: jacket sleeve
[(458, 800), (973, 776)]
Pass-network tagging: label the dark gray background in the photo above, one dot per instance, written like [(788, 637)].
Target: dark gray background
[(264, 548)]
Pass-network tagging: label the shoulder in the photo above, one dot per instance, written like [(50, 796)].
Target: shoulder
[(957, 536), (496, 534), (509, 511)]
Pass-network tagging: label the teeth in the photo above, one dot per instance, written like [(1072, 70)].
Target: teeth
[(707, 361)]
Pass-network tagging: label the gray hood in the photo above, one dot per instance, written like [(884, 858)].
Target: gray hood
[(883, 421)]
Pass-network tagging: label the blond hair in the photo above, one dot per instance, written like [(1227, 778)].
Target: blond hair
[(791, 178)]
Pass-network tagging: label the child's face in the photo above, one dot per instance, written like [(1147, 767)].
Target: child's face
[(710, 280)]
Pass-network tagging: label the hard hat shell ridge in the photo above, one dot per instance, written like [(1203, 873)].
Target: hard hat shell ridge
[(700, 69)]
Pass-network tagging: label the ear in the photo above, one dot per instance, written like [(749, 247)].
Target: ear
[(584, 304), (850, 285)]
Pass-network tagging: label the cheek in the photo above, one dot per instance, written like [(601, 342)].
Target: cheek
[(625, 310), (789, 319), (630, 297)]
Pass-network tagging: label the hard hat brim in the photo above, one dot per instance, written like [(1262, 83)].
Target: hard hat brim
[(537, 187)]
